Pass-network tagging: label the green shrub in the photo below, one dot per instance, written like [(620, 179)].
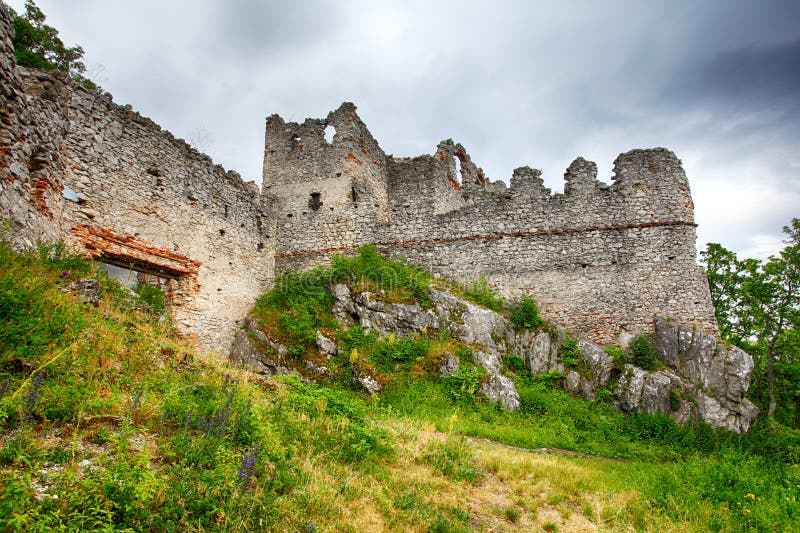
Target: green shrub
[(516, 364), (481, 293), (152, 295), (570, 353), (615, 352), (675, 395), (55, 255), (513, 514), (31, 319), (525, 315), (464, 383), (303, 304), (355, 338), (405, 282), (390, 351), (643, 353)]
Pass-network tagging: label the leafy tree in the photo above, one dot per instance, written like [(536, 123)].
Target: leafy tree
[(757, 305), (37, 45)]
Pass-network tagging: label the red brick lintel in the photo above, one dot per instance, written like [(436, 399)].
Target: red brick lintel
[(127, 250), (492, 237)]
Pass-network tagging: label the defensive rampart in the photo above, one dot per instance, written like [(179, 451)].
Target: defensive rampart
[(603, 260)]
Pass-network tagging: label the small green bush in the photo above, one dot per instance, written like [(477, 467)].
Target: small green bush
[(513, 514), (643, 353), (303, 305), (516, 364), (481, 293), (570, 353), (615, 352), (675, 395), (57, 256), (455, 459), (390, 351), (408, 282), (464, 383), (525, 315), (152, 295)]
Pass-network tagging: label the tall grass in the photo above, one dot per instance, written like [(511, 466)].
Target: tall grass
[(131, 430)]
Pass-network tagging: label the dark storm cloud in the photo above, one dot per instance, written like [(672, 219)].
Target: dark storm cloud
[(755, 77)]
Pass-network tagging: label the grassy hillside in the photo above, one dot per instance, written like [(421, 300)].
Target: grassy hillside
[(109, 422)]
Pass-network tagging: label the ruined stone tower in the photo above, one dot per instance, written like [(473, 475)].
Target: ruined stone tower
[(602, 260)]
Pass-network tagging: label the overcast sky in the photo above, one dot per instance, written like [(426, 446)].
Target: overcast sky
[(533, 83)]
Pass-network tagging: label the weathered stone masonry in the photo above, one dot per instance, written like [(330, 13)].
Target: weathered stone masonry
[(601, 260), (137, 196)]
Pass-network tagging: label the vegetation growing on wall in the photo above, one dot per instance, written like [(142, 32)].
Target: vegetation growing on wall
[(37, 45)]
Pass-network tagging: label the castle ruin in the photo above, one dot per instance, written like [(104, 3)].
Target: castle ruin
[(602, 260)]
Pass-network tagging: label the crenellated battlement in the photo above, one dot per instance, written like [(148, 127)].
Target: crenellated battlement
[(602, 259)]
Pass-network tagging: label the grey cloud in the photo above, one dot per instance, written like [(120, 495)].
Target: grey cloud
[(516, 82), (751, 77)]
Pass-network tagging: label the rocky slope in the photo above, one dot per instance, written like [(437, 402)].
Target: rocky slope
[(697, 378)]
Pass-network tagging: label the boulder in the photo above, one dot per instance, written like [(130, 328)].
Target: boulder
[(720, 371), (450, 365), (539, 349), (385, 318), (87, 289), (253, 349), (488, 360), (366, 382), (469, 322), (498, 388), (325, 345)]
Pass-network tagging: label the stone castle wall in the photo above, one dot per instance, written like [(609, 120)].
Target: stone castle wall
[(114, 185), (30, 162), (602, 260)]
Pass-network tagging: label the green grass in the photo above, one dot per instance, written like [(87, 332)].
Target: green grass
[(481, 293), (135, 431)]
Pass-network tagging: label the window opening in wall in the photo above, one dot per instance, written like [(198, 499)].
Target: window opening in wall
[(315, 202), (353, 194), (152, 288), (330, 131), (459, 173)]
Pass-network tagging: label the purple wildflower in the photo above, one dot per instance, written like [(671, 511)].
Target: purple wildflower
[(136, 402), (248, 468), (29, 404), (65, 274)]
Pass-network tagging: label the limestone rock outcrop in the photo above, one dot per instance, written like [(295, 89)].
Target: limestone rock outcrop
[(698, 378)]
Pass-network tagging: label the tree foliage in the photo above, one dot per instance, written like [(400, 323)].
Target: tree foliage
[(37, 45), (757, 304)]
